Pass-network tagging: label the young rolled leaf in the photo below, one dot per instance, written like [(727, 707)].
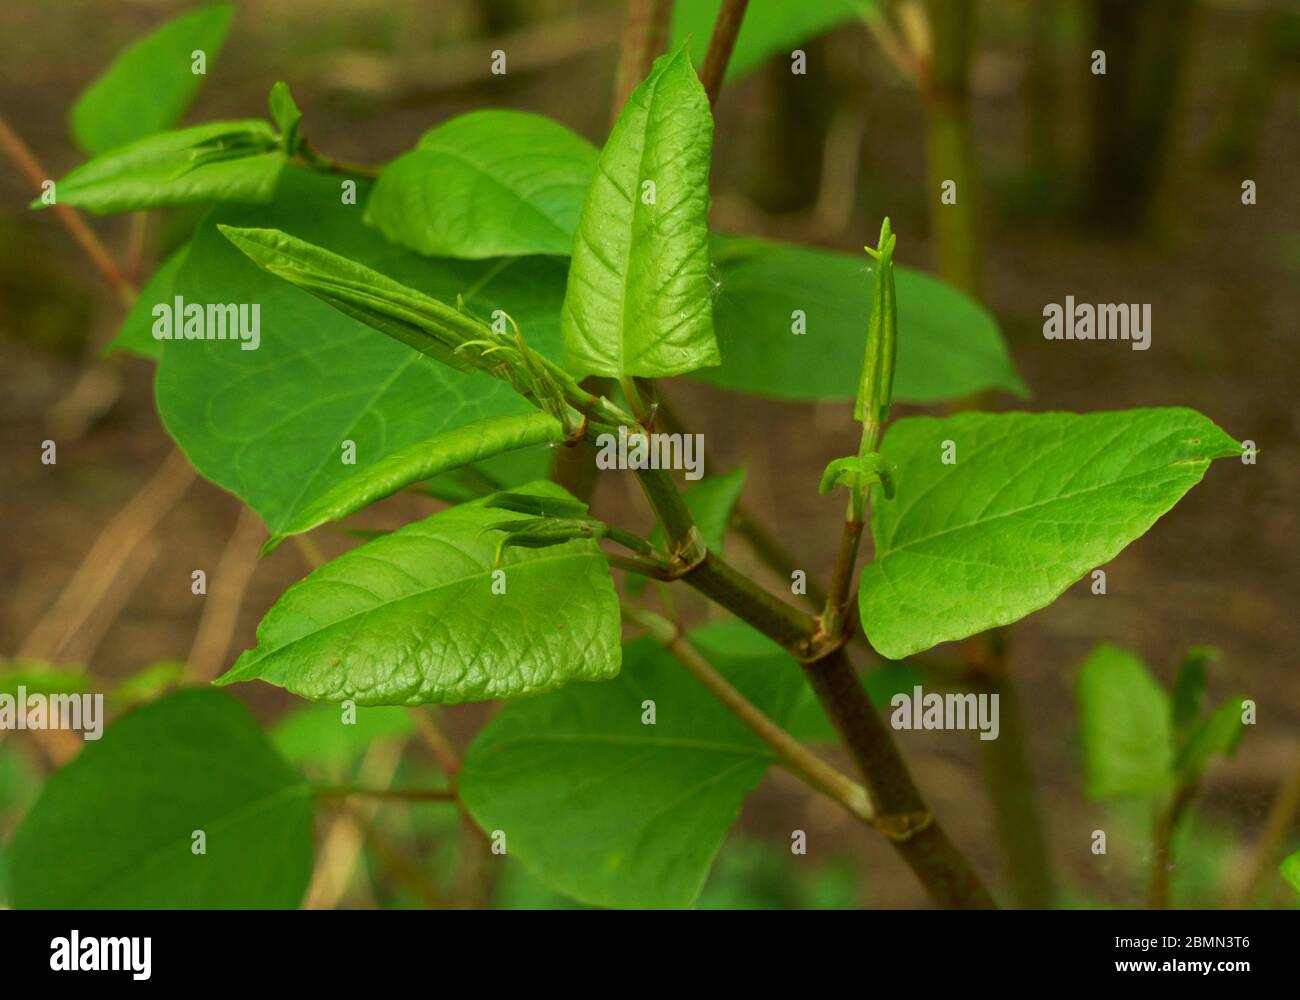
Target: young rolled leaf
[(271, 424), (614, 812), (1126, 724), (114, 829), (639, 296), (151, 82), (450, 336), (790, 323), (995, 515), (418, 616), (449, 450), (528, 503), (405, 314), (486, 184), (220, 161)]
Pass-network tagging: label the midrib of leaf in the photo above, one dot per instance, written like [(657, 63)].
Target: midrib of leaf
[(388, 605), (154, 856), (982, 521)]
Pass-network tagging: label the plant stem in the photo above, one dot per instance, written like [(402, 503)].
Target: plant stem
[(721, 42), (1010, 776), (1281, 817), (945, 90), (23, 158), (901, 812), (645, 29), (1162, 836), (401, 794), (835, 612), (329, 165), (806, 764)]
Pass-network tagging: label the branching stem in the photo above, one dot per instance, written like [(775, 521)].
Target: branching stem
[(802, 761)]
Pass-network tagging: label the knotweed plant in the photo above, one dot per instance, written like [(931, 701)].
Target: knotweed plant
[(503, 293)]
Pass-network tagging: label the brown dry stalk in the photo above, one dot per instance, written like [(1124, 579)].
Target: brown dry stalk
[(225, 597), (107, 557), (25, 160)]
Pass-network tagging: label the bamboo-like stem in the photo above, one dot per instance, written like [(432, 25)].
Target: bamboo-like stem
[(25, 160), (802, 761), (900, 810), (721, 43), (835, 614)]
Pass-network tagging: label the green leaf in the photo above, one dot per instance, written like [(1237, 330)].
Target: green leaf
[(114, 828), (135, 335), (948, 345), (318, 735), (220, 161), (412, 618), (150, 83), (1218, 733), (486, 184), (270, 424), (614, 812), (1032, 502), (450, 450), (1290, 869), (638, 301), (1126, 725), (40, 677), (770, 27), (146, 684)]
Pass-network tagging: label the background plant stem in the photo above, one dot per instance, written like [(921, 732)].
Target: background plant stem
[(721, 42)]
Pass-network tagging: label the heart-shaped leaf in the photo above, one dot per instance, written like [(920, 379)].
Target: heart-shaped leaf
[(994, 515)]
